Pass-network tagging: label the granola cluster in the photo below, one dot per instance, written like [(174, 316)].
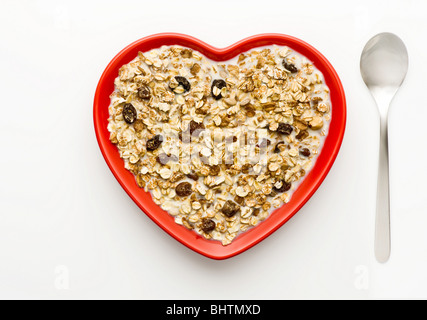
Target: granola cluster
[(219, 145)]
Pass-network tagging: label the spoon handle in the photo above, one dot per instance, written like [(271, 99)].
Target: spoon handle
[(382, 219)]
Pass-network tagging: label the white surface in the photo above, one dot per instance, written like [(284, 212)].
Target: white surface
[(68, 230)]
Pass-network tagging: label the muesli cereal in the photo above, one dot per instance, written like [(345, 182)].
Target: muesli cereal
[(219, 145)]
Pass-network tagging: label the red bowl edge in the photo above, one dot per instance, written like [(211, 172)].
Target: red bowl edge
[(225, 252)]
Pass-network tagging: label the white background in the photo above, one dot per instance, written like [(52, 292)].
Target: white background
[(69, 231)]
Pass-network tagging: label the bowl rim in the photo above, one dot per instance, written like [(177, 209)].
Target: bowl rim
[(210, 248)]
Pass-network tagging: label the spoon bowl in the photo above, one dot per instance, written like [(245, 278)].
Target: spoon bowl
[(384, 61), (383, 66)]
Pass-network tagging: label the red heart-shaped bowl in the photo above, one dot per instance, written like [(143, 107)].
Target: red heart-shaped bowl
[(210, 248)]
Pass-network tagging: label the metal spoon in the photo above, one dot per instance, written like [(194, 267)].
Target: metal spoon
[(383, 65)]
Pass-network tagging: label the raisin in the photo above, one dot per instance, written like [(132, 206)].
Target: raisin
[(163, 158), (277, 147), (285, 187), (193, 176), (219, 83), (208, 225), (230, 208), (285, 128), (154, 143), (289, 66), (129, 113), (304, 152), (144, 92), (138, 125), (214, 170), (184, 189), (196, 128), (183, 82)]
